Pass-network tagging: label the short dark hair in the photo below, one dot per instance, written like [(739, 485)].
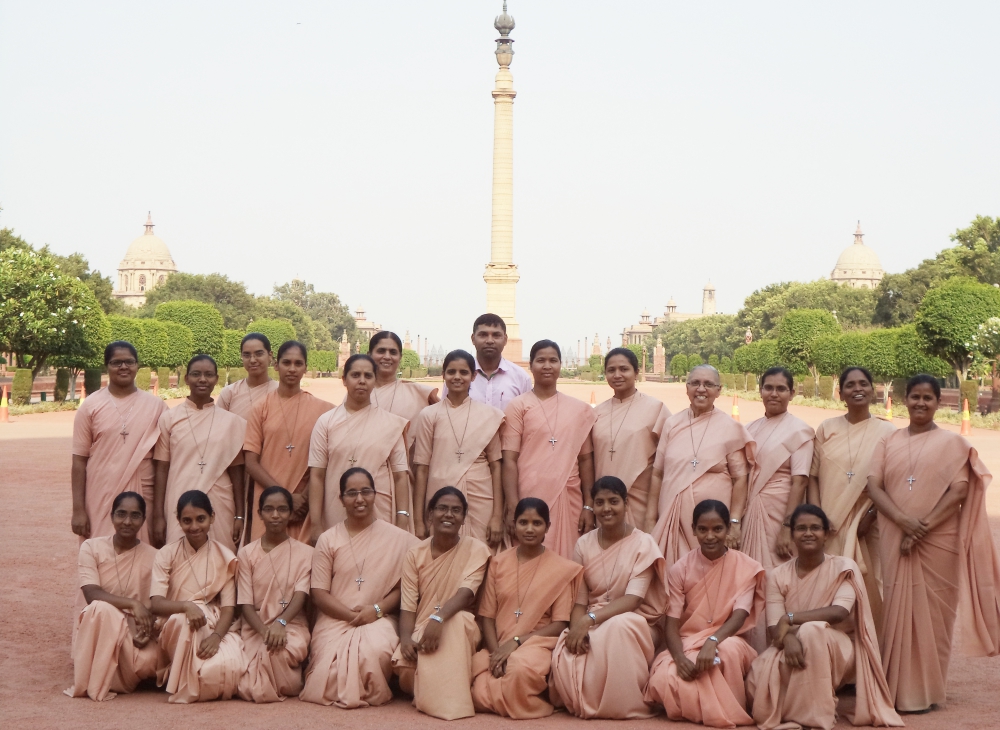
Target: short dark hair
[(122, 496), (849, 369), (444, 491), (109, 351), (539, 505), (809, 509), (921, 378), (378, 336), (779, 370), (707, 506), (542, 345), (624, 352), (489, 320), (256, 336), (194, 498), (357, 357), (275, 490), (199, 358), (286, 346), (350, 473), (609, 484), (459, 355)]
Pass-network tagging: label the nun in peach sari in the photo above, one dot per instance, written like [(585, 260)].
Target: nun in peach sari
[(355, 587), (939, 562), (714, 595), (600, 665), (193, 586), (438, 634), (702, 454), (530, 582), (115, 645), (822, 637), (273, 585), (358, 433), (240, 397), (627, 431), (457, 443), (548, 454)]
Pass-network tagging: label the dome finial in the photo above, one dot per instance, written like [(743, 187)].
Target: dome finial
[(858, 235), (149, 223)]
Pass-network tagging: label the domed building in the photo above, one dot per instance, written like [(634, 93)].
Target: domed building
[(858, 266), (147, 264)]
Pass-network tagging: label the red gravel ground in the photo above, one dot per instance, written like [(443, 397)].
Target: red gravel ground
[(38, 570)]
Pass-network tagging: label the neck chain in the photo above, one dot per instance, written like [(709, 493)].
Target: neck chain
[(468, 414), (121, 590), (694, 451), (203, 586), (201, 451), (777, 422), (124, 431), (711, 604), (909, 452), (604, 564), (361, 569), (850, 468), (392, 400), (611, 422), (518, 611), (288, 574), (250, 389), (357, 441), (552, 433), (284, 421)]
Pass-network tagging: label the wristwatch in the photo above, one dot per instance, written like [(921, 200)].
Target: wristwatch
[(791, 617), (517, 640), (281, 621), (735, 521), (378, 611), (593, 617), (435, 617)]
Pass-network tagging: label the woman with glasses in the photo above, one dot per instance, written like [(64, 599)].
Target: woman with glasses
[(842, 454), (938, 555), (702, 454), (821, 636), (241, 396), (438, 634), (548, 453), (200, 447), (457, 443), (273, 585), (355, 587), (193, 588), (277, 441), (600, 665), (627, 431), (114, 433), (358, 433), (115, 645)]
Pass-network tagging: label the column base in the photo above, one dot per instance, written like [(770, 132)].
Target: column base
[(514, 351)]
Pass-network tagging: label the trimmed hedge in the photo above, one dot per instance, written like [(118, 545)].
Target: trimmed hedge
[(62, 385), (277, 331), (323, 361), (231, 349), (142, 379), (129, 330), (808, 387), (970, 390), (235, 374), (729, 381), (202, 319), (899, 390), (163, 378), (91, 380), (826, 387), (155, 348), (180, 343), (271, 373), (20, 389)]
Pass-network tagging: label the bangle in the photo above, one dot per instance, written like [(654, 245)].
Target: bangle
[(238, 517), (217, 634), (402, 512), (593, 617), (714, 638), (791, 618), (435, 617), (378, 611), (588, 508), (517, 640), (735, 521)]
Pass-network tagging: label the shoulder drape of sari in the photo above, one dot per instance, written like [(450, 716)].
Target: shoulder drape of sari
[(239, 397), (634, 554), (116, 464)]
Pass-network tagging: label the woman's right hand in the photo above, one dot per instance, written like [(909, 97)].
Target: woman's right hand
[(794, 656), (577, 640), (408, 648), (143, 619), (734, 537), (195, 616), (81, 523), (686, 669), (314, 532), (913, 527), (419, 528)]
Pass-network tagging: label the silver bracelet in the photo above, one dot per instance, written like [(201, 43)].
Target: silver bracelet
[(238, 517), (588, 507), (402, 512), (435, 617)]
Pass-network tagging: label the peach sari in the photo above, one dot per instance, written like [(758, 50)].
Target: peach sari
[(105, 661), (703, 594), (556, 581), (265, 580)]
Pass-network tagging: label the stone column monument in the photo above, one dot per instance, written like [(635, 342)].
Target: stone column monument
[(501, 272), (659, 359)]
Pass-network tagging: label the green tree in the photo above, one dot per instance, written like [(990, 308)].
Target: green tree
[(230, 298), (826, 354), (155, 349), (302, 323), (986, 343), (231, 340), (911, 359), (409, 359), (679, 365), (978, 251), (276, 330), (596, 363), (128, 330), (44, 313), (717, 335), (694, 361), (725, 364), (180, 343), (796, 333), (324, 308), (755, 313), (202, 319), (949, 318), (898, 296), (880, 354)]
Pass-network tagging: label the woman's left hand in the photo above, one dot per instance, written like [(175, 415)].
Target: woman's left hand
[(578, 638), (494, 531), (498, 659), (276, 637), (794, 656), (365, 615), (586, 522), (431, 639), (300, 508), (237, 530), (706, 657), (906, 546), (734, 537), (866, 523), (403, 522), (783, 545), (209, 646)]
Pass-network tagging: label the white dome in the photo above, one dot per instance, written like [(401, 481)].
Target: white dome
[(858, 257), (148, 249)]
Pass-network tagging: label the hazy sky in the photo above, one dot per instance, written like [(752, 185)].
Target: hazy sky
[(656, 145)]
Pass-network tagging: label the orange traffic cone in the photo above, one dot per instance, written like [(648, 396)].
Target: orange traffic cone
[(736, 409), (4, 410), (966, 419), (593, 399), (888, 407)]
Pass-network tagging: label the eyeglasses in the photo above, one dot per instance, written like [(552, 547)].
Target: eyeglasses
[(124, 515), (120, 363), (809, 528), (699, 384), (443, 509), (353, 493), (281, 510), (779, 389)]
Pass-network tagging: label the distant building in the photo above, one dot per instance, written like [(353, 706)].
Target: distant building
[(365, 328), (858, 266), (637, 333), (146, 265)]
